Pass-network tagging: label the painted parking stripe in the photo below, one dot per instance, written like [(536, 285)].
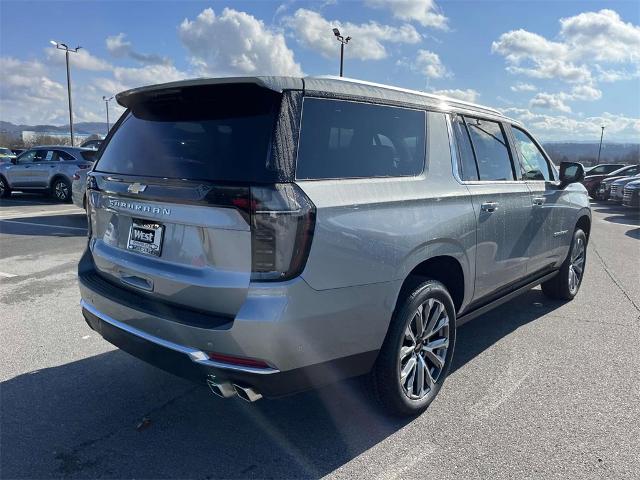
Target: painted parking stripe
[(41, 213), (43, 225), (7, 275)]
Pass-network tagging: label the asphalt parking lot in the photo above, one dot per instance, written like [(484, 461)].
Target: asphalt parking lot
[(538, 389)]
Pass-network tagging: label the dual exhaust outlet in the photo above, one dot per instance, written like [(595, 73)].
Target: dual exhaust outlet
[(228, 389)]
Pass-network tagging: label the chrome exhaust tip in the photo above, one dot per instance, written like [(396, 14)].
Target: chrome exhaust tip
[(221, 389), (248, 394)]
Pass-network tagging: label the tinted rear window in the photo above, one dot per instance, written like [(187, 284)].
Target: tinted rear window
[(218, 134), (89, 156), (340, 139)]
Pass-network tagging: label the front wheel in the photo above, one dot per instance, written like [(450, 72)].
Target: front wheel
[(565, 285), (61, 190), (5, 191), (417, 351)]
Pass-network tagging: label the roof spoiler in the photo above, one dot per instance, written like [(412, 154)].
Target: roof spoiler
[(276, 84)]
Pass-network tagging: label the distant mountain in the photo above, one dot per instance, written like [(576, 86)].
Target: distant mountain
[(587, 153), (98, 128)]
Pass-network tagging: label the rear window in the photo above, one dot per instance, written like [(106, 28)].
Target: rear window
[(214, 134), (89, 156), (341, 139)]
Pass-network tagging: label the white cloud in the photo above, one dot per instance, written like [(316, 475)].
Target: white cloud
[(468, 95), (550, 101), (585, 42), (119, 47), (314, 31), (557, 101), (82, 59), (560, 127), (523, 87), (425, 12), (427, 63), (602, 37), (236, 43), (27, 94)]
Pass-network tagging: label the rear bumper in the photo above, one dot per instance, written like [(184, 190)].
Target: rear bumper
[(308, 338), (194, 365)]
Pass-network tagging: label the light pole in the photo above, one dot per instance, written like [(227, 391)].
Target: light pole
[(600, 148), (106, 104), (62, 46), (343, 41)]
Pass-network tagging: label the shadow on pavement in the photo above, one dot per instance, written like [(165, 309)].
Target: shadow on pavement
[(74, 225), (634, 233), (79, 419), (24, 199)]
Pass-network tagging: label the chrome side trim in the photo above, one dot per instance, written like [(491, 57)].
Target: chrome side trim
[(195, 355)]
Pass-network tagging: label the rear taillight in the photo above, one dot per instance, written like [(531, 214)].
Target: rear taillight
[(282, 220)]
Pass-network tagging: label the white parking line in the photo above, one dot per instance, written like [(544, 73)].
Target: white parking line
[(40, 213), (7, 275), (42, 225)]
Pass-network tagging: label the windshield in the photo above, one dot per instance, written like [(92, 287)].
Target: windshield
[(220, 134)]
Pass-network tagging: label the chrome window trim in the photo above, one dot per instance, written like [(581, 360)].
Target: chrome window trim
[(195, 355)]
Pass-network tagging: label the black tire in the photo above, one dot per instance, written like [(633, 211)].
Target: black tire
[(561, 286), (385, 378), (61, 190), (5, 190)]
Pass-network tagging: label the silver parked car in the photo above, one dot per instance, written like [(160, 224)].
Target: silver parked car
[(79, 188), (45, 169), (268, 235), (616, 190)]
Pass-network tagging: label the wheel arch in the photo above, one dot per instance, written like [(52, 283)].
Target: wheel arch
[(446, 269), (59, 176), (584, 224)]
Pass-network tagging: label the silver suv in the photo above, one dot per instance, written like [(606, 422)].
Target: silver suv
[(47, 169), (269, 235)]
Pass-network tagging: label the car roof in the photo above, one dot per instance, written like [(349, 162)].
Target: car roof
[(62, 147), (328, 86)]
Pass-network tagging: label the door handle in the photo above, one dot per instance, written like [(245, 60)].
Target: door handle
[(489, 206), (538, 201)]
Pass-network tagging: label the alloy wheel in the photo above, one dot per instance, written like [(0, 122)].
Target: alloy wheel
[(2, 187), (61, 190), (576, 267), (424, 349)]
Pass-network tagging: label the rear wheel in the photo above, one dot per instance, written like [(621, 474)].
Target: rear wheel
[(565, 285), (61, 190), (5, 191), (416, 354)]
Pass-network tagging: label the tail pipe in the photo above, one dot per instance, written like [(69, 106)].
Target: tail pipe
[(226, 390)]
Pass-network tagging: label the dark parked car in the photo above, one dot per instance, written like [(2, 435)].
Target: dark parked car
[(593, 178), (45, 169), (92, 144), (603, 185), (602, 169)]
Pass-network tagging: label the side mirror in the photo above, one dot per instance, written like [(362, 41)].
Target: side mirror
[(571, 172), (14, 161)]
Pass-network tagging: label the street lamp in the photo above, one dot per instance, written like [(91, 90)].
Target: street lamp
[(343, 41), (600, 148), (106, 104), (62, 46)]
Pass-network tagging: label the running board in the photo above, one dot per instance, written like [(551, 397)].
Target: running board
[(496, 303)]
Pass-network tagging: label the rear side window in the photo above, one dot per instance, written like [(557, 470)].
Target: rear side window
[(64, 155), (341, 139), (214, 134), (491, 150), (466, 160)]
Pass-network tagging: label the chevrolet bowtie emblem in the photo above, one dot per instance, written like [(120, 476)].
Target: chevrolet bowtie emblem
[(136, 188)]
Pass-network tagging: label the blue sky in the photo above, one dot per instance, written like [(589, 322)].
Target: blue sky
[(562, 67)]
